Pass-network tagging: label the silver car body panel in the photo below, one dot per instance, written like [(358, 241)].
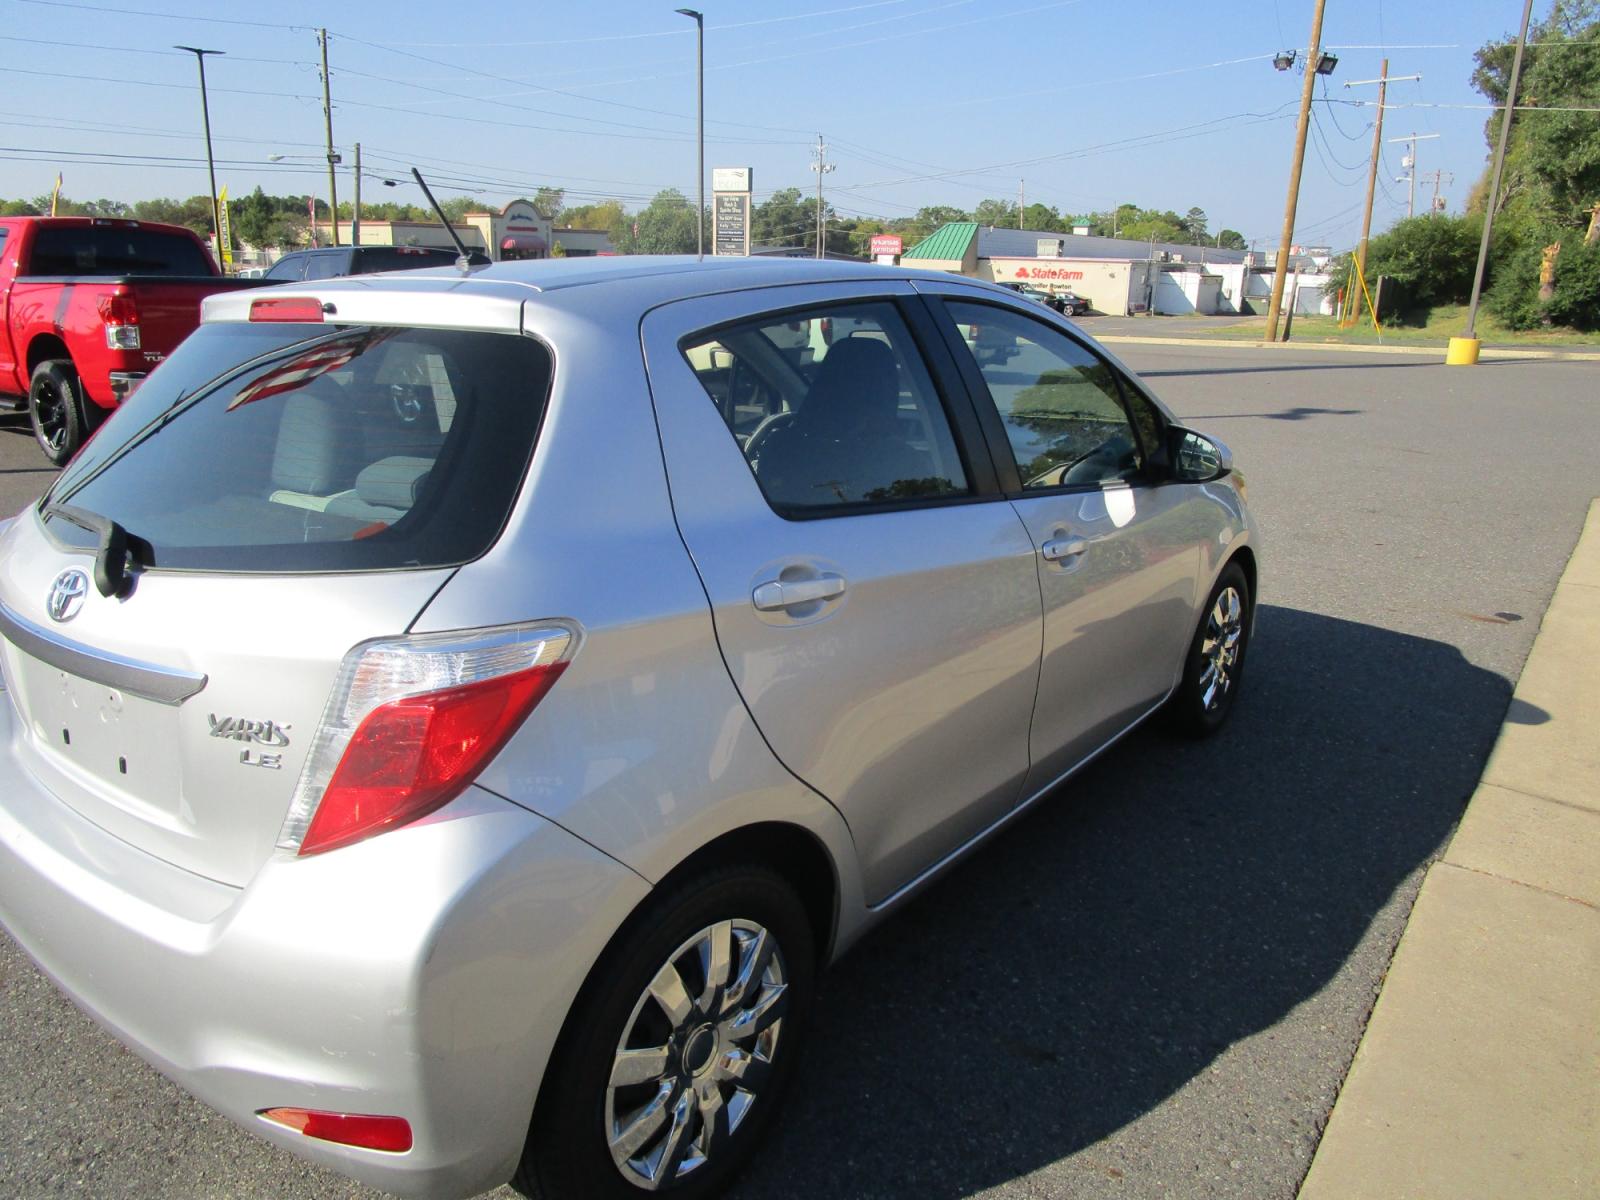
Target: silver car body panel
[(427, 972), (915, 727)]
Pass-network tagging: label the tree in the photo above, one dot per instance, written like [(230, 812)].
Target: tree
[(666, 225), (1044, 218), (787, 218), (996, 212), (1432, 257), (932, 217), (17, 208), (254, 218), (548, 201), (607, 214), (1232, 239), (1193, 224)]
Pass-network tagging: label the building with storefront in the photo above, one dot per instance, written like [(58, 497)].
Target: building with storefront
[(1115, 275)]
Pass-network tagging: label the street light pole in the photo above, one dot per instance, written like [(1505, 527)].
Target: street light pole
[(700, 115), (211, 166), (1280, 270)]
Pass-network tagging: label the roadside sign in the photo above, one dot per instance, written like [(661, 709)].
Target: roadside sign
[(730, 211), (224, 234), (891, 244), (732, 224)]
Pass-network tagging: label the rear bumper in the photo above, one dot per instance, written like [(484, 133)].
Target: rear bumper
[(424, 973)]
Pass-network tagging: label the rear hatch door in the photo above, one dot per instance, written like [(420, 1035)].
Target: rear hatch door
[(288, 492)]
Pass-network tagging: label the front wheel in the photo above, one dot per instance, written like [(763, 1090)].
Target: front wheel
[(56, 409), (679, 1048), (1215, 664)]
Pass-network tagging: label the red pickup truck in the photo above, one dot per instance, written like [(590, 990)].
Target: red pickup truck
[(88, 307)]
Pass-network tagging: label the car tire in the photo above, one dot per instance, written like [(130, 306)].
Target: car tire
[(56, 410), (1216, 659), (583, 1141)]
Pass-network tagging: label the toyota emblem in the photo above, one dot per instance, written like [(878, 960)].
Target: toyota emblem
[(67, 593)]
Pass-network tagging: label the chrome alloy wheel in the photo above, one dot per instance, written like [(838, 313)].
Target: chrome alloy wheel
[(1220, 647), (52, 409), (695, 1053)]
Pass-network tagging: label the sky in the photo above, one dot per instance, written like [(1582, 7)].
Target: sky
[(1082, 104)]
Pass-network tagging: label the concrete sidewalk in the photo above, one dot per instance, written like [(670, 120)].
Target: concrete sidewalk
[(1479, 1073)]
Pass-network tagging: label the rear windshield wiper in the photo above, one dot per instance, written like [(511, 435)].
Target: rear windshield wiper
[(116, 546)]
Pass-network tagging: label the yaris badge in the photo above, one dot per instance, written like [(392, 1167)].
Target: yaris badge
[(66, 594)]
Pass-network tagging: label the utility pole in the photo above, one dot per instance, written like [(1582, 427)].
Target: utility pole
[(1313, 62), (1464, 350), (1409, 162), (355, 223), (1372, 185), (327, 119), (822, 166), (1438, 178), (211, 168), (1021, 202)]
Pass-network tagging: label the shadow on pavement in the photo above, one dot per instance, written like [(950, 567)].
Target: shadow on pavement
[(1173, 899), (1287, 414)]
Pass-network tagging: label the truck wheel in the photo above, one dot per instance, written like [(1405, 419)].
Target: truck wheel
[(55, 406)]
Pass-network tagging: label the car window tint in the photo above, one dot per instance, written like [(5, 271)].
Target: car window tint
[(307, 448), (832, 407), (1060, 402), (325, 266), (291, 266), (109, 250)]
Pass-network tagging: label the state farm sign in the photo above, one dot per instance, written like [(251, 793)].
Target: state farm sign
[(1025, 273)]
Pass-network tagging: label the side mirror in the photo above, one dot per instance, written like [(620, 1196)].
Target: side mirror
[(1196, 458)]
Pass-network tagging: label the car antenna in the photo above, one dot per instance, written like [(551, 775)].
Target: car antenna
[(464, 263)]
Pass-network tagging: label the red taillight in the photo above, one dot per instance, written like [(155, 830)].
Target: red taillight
[(348, 1129), (120, 314), (412, 756), (287, 308)]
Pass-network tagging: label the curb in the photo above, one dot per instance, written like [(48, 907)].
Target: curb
[(1503, 352), (1476, 1075)]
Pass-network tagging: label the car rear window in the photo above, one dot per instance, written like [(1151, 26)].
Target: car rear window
[(115, 250), (401, 258), (293, 448)]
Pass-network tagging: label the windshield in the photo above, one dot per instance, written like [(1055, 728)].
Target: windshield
[(293, 448)]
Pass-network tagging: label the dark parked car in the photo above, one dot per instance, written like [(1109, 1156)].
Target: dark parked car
[(1068, 304), (333, 261)]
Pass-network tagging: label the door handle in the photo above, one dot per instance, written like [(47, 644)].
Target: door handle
[(1063, 549), (776, 595)]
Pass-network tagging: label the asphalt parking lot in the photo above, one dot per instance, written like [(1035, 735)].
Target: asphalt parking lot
[(1152, 987)]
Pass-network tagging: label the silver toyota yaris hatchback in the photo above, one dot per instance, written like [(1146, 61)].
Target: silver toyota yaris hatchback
[(451, 718)]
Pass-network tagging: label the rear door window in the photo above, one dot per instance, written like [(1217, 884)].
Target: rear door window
[(297, 448), (292, 266), (401, 258), (833, 408)]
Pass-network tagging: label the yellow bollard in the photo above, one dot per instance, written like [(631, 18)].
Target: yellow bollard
[(1463, 352)]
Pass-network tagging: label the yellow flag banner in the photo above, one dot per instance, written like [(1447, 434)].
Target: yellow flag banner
[(55, 195), (224, 235)]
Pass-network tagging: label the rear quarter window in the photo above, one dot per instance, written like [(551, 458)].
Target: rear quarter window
[(295, 448)]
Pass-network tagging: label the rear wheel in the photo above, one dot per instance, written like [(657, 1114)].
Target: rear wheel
[(680, 1047), (56, 409), (1215, 664)]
